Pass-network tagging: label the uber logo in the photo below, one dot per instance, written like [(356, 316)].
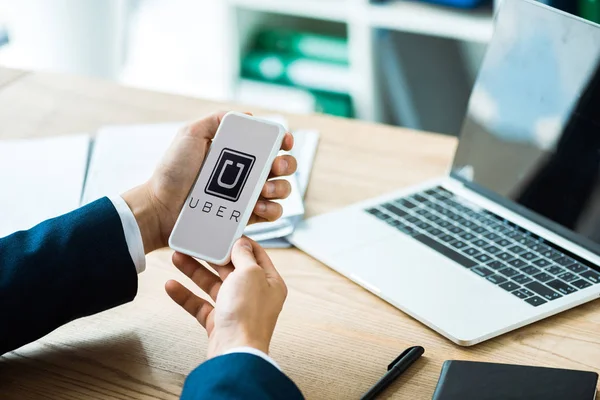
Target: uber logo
[(230, 175)]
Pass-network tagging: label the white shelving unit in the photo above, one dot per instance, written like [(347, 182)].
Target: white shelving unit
[(360, 19)]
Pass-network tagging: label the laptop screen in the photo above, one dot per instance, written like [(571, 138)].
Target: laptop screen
[(531, 138)]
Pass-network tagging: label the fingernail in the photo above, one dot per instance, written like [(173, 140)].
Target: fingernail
[(245, 244), (270, 188), (284, 165), (261, 207)]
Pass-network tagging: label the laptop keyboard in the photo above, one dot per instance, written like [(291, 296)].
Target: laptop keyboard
[(497, 250)]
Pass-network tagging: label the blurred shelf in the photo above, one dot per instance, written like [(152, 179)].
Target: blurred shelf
[(329, 10), (361, 20), (404, 16), (410, 16)]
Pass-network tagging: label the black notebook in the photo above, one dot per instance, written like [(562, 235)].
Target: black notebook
[(464, 380)]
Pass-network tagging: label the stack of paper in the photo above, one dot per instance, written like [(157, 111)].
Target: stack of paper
[(272, 235), (124, 157), (40, 179)]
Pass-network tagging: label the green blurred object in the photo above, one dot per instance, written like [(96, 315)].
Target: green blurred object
[(336, 104), (309, 45), (590, 9), (297, 71)]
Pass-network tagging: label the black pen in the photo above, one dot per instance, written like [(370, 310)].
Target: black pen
[(395, 369)]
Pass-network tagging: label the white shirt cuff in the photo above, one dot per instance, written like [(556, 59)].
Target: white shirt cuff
[(256, 352), (133, 236)]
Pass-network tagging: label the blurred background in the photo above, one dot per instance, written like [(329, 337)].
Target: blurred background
[(408, 63)]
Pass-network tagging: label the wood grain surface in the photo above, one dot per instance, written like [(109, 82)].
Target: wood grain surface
[(333, 338)]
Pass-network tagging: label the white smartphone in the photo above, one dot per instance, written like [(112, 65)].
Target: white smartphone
[(229, 183)]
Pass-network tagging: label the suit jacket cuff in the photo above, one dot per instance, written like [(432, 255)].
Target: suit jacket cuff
[(133, 236), (256, 352)]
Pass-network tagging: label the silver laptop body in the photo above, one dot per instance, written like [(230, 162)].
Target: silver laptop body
[(512, 234)]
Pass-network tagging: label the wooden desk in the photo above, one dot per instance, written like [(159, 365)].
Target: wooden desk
[(333, 338)]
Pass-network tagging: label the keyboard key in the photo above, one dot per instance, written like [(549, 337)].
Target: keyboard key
[(423, 225), (412, 219), (525, 241), (484, 258), (577, 268), (432, 218), (527, 292), (530, 270), (417, 198), (536, 301), (491, 249), (505, 256), (379, 214), (543, 291), (496, 279), (456, 230), (517, 263), (522, 279), (480, 243), (395, 210), (471, 252), (480, 230), (581, 284), (503, 242), (542, 263), (405, 203), (539, 248), (458, 245), (435, 232), (568, 277), (561, 287), (467, 236), (496, 265), (453, 216), (529, 256), (509, 286), (492, 236), (513, 234), (551, 254), (446, 251), (516, 249), (564, 261), (591, 276), (520, 294), (543, 277), (407, 229), (482, 271), (508, 272), (466, 223), (444, 223), (447, 238), (555, 270)]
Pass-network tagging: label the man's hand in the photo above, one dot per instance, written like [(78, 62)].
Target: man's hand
[(157, 203), (248, 293)]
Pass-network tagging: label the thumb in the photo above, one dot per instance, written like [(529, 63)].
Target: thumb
[(242, 254), (249, 253)]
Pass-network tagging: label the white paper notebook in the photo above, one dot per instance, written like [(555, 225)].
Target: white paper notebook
[(40, 179), (124, 157)]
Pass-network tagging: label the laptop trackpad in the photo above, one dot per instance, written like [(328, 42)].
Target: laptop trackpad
[(430, 287)]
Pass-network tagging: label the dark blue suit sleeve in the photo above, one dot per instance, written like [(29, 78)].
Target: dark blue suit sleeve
[(62, 269), (239, 376)]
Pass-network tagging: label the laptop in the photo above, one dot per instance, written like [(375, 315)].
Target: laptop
[(512, 234)]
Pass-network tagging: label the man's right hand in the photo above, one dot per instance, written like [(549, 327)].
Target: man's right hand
[(248, 293)]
